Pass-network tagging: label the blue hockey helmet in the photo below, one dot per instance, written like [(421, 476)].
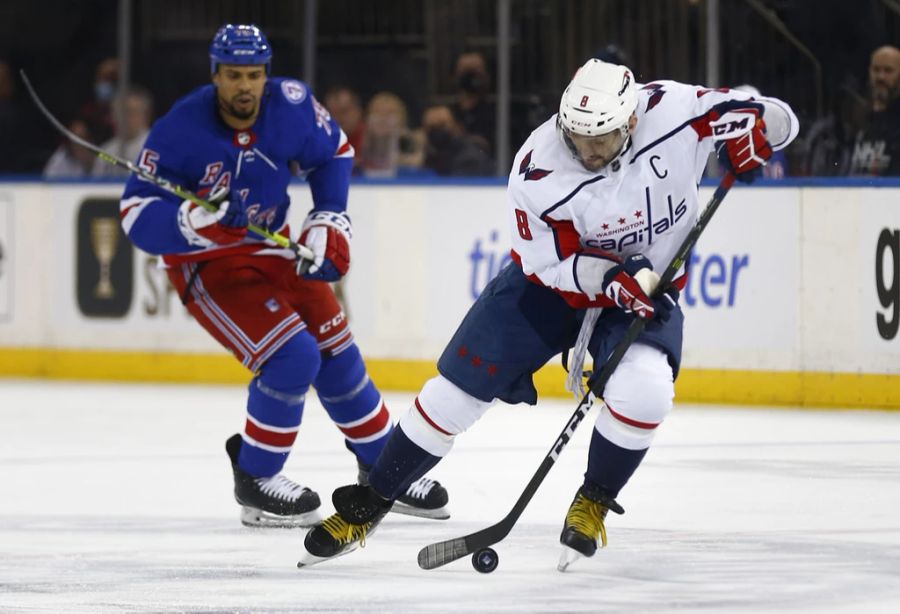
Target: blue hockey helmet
[(241, 44)]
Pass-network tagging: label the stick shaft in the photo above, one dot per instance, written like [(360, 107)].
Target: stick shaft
[(301, 250)]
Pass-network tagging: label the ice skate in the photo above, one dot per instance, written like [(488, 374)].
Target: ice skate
[(359, 511), (274, 501), (425, 497), (584, 525)]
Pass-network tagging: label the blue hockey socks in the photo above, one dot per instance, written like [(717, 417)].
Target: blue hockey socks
[(354, 404), (275, 406), (610, 466), (400, 464)]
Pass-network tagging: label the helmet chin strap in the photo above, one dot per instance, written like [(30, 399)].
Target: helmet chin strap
[(626, 142)]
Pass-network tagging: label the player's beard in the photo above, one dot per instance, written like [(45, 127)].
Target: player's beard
[(232, 108)]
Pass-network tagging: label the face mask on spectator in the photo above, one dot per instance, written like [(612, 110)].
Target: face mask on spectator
[(439, 137), (104, 91), (472, 81)]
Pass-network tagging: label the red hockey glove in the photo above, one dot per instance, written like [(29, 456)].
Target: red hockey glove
[(327, 234), (630, 285), (741, 145), (228, 224)]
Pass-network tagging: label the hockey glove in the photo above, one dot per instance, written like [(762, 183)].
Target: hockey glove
[(327, 234), (630, 285), (665, 303), (228, 224), (741, 146)]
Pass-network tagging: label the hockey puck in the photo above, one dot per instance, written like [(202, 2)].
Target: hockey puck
[(485, 560)]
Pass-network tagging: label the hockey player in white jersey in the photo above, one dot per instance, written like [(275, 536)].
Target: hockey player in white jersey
[(600, 197)]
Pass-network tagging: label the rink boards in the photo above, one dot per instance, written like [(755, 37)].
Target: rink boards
[(794, 294)]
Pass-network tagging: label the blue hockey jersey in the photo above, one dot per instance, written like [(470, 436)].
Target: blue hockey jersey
[(193, 147)]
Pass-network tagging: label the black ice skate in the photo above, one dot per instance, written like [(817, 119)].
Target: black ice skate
[(584, 524), (425, 497), (274, 501), (359, 511)]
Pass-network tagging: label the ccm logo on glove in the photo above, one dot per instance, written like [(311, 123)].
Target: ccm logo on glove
[(741, 146)]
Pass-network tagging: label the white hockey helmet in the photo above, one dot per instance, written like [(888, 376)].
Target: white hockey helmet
[(600, 98)]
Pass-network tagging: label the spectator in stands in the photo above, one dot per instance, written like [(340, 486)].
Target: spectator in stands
[(475, 112), (389, 146), (449, 150), (133, 111), (98, 111), (875, 149), (345, 107), (827, 145), (71, 161)]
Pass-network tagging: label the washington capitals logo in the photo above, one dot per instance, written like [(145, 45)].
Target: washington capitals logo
[(656, 96), (531, 173)]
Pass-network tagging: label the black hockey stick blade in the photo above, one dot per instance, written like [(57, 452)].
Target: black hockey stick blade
[(440, 553), (303, 253)]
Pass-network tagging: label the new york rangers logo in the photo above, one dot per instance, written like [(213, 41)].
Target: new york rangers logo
[(531, 173), (294, 91)]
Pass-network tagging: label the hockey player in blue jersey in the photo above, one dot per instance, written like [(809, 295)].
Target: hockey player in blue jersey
[(232, 142)]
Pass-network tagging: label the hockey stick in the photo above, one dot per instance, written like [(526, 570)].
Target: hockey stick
[(302, 252), (440, 553)]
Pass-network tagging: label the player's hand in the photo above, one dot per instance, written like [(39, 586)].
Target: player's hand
[(327, 234), (746, 152), (630, 285), (228, 224), (665, 303)]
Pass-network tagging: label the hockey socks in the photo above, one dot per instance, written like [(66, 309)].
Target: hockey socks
[(610, 466), (400, 464), (354, 404), (275, 406)]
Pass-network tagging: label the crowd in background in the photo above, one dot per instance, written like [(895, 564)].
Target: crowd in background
[(860, 137)]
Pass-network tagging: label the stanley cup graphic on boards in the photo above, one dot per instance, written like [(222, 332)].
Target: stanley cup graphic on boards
[(104, 240)]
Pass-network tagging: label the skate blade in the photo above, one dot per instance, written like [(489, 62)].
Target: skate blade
[(253, 517), (567, 557), (440, 513), (309, 559)]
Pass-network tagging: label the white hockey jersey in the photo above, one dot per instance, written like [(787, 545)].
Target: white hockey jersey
[(645, 202)]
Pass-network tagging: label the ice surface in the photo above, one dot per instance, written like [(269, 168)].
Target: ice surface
[(117, 498)]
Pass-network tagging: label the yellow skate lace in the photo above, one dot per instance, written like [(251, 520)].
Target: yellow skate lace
[(586, 517), (345, 532)]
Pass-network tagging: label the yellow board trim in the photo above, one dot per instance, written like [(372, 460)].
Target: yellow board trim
[(840, 390)]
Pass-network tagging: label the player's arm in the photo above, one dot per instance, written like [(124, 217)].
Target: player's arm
[(743, 129), (326, 156), (548, 247), (159, 222)]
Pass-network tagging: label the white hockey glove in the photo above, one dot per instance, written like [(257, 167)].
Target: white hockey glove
[(205, 228)]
